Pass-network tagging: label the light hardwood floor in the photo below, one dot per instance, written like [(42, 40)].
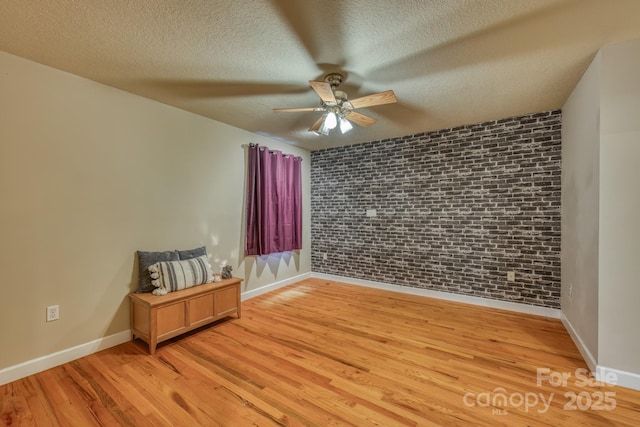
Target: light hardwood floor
[(324, 353)]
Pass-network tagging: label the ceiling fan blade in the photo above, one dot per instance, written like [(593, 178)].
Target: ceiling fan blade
[(361, 119), (296, 110), (323, 89), (386, 97), (316, 126)]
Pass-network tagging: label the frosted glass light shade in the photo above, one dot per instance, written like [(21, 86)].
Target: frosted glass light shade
[(331, 121), (345, 125)]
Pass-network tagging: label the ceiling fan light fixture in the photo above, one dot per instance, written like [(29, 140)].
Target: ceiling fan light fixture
[(345, 125), (324, 129), (336, 106), (331, 120)]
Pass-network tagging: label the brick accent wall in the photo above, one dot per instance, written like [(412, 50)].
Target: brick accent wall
[(456, 210)]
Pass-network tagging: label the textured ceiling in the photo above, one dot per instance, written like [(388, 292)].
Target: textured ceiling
[(450, 62)]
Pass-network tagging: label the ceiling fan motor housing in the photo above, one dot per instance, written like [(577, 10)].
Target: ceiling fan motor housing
[(334, 79)]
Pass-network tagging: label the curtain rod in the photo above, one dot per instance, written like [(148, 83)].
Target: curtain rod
[(251, 145)]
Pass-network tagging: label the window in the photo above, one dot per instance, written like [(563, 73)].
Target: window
[(274, 202)]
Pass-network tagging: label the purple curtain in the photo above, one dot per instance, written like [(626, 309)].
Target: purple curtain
[(274, 202)]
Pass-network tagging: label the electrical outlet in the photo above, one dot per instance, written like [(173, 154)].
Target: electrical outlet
[(324, 257), (570, 290), (511, 276), (53, 313)]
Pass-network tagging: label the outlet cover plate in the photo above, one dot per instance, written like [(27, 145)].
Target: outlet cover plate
[(53, 313)]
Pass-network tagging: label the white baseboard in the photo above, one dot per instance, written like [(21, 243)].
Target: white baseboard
[(602, 373), (617, 377), (30, 367), (273, 286), (467, 299), (582, 348)]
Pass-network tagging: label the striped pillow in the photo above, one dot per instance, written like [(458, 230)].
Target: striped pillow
[(171, 276)]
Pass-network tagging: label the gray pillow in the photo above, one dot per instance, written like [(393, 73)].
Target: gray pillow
[(146, 259), (192, 253)]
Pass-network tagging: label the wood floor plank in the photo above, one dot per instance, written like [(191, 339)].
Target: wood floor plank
[(265, 369), (322, 353)]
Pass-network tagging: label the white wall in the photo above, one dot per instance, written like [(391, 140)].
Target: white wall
[(601, 206), (619, 339), (580, 201), (88, 175)]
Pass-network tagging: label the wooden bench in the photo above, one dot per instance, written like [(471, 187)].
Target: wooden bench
[(158, 318)]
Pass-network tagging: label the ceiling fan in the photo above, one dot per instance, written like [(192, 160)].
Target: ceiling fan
[(338, 110)]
